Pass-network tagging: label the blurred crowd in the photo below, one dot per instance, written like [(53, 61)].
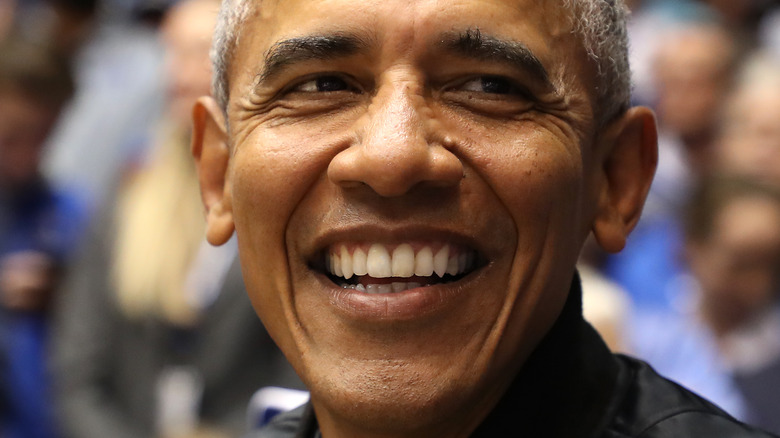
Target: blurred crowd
[(695, 292), (117, 319)]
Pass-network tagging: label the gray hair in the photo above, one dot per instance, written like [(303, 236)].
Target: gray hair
[(601, 24)]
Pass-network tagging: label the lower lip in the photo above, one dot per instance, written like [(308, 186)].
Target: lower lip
[(410, 304)]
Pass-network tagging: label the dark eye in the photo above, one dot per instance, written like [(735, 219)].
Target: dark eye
[(323, 84), (490, 84)]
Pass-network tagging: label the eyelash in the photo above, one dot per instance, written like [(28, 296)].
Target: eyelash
[(315, 79), (508, 86)]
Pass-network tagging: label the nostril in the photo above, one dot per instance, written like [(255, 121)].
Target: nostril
[(395, 173)]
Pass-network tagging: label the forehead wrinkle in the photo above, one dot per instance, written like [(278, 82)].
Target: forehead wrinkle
[(309, 47)]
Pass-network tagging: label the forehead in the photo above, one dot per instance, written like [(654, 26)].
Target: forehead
[(409, 25), (549, 14)]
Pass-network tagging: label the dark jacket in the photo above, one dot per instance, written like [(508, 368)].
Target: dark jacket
[(573, 386)]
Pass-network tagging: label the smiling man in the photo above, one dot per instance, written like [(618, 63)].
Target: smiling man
[(411, 183)]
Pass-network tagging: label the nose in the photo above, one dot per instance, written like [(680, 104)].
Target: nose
[(395, 147)]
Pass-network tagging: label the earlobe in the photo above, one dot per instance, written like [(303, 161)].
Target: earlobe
[(628, 166), (211, 153)]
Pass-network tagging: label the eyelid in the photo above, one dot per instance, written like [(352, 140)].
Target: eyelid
[(352, 84), (516, 88)]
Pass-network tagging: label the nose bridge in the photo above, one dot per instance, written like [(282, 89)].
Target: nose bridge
[(396, 123), (394, 148)]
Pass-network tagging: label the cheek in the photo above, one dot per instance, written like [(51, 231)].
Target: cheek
[(538, 178), (269, 176), (271, 172)]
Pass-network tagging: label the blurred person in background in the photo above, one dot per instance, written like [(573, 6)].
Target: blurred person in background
[(749, 139), (39, 229), (743, 17), (731, 324), (648, 20), (749, 144), (156, 336), (118, 64), (693, 69), (7, 14)]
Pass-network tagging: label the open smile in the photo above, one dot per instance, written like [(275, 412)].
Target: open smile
[(377, 268), (403, 275)]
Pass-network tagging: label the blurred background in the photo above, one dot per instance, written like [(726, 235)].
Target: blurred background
[(106, 332)]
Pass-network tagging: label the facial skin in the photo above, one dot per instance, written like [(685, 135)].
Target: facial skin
[(388, 122)]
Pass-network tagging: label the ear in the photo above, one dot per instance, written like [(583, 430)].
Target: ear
[(629, 159), (211, 153)]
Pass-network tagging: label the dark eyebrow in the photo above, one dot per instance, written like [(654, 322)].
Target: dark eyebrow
[(312, 47), (473, 44)]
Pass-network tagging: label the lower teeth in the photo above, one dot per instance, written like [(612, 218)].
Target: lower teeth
[(384, 288)]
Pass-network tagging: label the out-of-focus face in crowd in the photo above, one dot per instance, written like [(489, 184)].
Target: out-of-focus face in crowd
[(35, 83), (25, 124), (749, 142), (411, 184), (693, 69), (737, 261), (186, 34)]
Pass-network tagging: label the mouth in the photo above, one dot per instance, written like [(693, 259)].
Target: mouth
[(377, 268)]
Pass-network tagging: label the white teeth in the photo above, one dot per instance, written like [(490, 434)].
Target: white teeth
[(336, 266), (378, 262), (346, 263), (399, 287), (403, 261), (452, 266), (423, 262), (440, 261), (359, 262)]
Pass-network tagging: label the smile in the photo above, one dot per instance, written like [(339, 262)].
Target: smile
[(383, 269)]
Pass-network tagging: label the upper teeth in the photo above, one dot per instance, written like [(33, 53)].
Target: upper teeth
[(378, 261)]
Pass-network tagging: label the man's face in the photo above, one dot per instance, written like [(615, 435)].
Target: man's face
[(376, 144)]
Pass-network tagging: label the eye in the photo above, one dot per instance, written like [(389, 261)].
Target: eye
[(324, 84), (491, 85)]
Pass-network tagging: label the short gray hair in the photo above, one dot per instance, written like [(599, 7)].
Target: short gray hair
[(601, 24)]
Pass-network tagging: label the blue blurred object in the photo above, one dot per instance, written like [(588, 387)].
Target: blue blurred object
[(271, 401)]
